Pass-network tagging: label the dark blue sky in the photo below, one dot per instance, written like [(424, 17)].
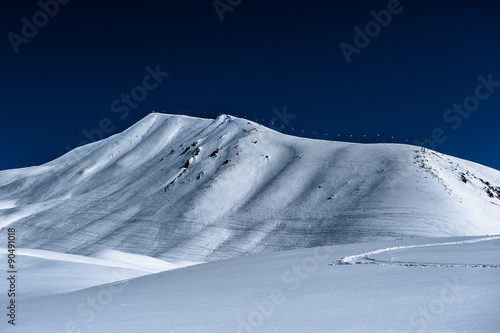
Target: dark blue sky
[(74, 72)]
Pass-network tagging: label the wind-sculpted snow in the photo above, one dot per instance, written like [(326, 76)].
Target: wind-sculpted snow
[(179, 188), (288, 291)]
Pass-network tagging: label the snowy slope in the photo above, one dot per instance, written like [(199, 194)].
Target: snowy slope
[(296, 291), (47, 273), (180, 189)]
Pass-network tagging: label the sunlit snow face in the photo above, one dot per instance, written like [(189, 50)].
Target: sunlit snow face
[(6, 204)]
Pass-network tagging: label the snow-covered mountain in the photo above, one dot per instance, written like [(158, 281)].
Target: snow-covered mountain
[(187, 189)]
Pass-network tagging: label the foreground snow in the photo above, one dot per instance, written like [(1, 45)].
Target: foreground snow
[(47, 273), (305, 290)]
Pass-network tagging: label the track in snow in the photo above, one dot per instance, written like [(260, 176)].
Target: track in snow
[(364, 258)]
